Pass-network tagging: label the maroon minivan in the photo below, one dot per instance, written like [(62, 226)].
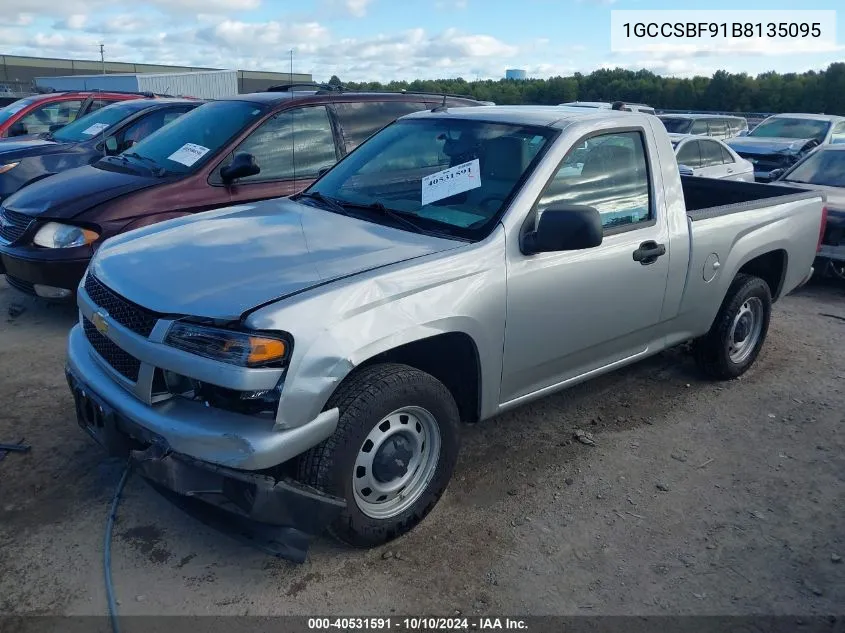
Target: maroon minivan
[(237, 149)]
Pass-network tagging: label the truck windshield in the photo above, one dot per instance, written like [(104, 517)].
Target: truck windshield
[(785, 127), (95, 123), (825, 167), (676, 125), (453, 175), (197, 136)]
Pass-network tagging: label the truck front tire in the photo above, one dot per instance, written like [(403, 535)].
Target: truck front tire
[(392, 454), (739, 330)]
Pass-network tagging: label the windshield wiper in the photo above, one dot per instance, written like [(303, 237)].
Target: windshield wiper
[(335, 205), (396, 216), (157, 169)]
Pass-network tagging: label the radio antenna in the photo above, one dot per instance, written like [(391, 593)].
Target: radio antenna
[(292, 127)]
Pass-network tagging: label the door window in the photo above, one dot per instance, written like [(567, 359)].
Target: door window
[(611, 175), (689, 154), (718, 128), (56, 113), (362, 119), (838, 134), (711, 153), (295, 143), (727, 159), (148, 124), (699, 127)]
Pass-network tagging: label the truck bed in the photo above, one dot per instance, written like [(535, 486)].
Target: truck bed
[(709, 197)]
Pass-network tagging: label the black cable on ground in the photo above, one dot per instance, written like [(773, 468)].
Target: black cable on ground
[(107, 550)]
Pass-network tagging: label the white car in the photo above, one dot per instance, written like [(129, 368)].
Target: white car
[(710, 158)]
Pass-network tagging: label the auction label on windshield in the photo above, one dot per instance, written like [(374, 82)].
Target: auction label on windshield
[(451, 181), (722, 32), (188, 154), (95, 129)]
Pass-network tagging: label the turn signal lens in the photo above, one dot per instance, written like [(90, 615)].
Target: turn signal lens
[(265, 350), (8, 167)]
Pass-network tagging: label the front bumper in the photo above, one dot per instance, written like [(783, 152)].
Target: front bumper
[(54, 269), (300, 511)]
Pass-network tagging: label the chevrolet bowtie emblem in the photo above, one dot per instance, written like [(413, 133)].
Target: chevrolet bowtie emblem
[(99, 320)]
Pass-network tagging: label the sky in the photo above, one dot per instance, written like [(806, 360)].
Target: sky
[(379, 40)]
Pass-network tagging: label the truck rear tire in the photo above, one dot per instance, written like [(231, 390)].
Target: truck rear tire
[(392, 454), (739, 330)]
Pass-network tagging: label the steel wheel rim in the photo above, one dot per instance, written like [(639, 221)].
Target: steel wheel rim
[(746, 329), (408, 440)]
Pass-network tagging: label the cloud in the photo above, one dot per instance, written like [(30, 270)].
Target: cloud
[(19, 19), (73, 22), (358, 8)]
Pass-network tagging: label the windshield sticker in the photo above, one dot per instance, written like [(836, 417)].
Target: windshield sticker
[(95, 129), (451, 181), (188, 154)]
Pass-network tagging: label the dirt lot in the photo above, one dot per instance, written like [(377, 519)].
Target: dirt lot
[(699, 498)]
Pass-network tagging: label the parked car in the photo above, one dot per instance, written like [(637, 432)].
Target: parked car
[(606, 105), (781, 140), (307, 362), (48, 112), (716, 125), (106, 131), (233, 150), (823, 170), (710, 158)]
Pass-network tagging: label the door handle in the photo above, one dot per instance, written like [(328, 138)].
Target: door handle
[(648, 252), (730, 171)]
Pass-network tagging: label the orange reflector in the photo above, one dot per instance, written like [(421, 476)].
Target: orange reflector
[(90, 236), (263, 350)]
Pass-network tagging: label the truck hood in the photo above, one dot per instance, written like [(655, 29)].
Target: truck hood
[(70, 193), (774, 145), (222, 263)]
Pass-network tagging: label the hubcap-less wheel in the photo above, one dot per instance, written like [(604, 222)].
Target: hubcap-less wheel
[(745, 330), (396, 462)]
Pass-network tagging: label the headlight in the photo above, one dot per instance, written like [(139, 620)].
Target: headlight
[(8, 167), (55, 235), (229, 346)]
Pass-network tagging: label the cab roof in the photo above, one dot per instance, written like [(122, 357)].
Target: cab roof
[(545, 116)]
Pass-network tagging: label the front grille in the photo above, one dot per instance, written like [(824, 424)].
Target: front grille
[(20, 284), (128, 314), (13, 224), (123, 362)]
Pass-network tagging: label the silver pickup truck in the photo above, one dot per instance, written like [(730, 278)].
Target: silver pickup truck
[(308, 362)]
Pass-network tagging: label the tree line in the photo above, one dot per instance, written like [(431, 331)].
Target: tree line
[(811, 91)]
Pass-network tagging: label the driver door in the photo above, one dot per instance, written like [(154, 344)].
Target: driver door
[(570, 313)]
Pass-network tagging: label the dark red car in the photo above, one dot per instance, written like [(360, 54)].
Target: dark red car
[(47, 112), (234, 150)]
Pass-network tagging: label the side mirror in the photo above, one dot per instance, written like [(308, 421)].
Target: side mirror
[(685, 170), (56, 126), (17, 129), (743, 133), (111, 145), (776, 173), (322, 171), (242, 165), (570, 228)]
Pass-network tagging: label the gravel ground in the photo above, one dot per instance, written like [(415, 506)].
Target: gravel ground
[(697, 498)]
